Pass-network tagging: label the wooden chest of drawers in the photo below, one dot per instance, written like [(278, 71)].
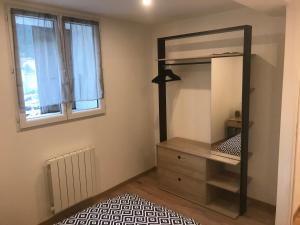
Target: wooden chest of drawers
[(188, 169), (191, 189), (182, 174), (182, 163)]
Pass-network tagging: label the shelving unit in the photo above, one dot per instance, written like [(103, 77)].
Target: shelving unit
[(232, 204), (209, 56), (197, 60), (225, 203), (226, 180)]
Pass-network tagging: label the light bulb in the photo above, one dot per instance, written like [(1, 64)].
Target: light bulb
[(147, 2)]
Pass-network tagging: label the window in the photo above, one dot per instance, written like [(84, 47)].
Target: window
[(58, 70), (82, 44)]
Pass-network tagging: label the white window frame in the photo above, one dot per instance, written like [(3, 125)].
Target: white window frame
[(67, 113), (86, 113), (43, 120)]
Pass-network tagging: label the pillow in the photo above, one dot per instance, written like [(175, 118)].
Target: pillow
[(232, 146)]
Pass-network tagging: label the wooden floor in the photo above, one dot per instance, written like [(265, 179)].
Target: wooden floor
[(146, 187)]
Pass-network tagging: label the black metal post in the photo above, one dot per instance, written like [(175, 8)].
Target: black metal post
[(245, 118), (161, 53)]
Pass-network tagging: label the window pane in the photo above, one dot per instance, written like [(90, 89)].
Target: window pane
[(37, 55), (82, 49), (86, 105)]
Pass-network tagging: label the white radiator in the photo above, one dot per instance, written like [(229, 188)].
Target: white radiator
[(72, 178)]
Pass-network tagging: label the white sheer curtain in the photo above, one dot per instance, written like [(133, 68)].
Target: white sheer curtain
[(82, 39), (39, 60), (47, 66), (41, 80)]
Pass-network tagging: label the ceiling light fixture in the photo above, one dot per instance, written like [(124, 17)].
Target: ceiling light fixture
[(147, 2)]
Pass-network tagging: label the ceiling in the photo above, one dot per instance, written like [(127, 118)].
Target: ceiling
[(160, 11), (275, 7)]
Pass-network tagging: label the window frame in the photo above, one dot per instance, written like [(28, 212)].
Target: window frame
[(67, 113), (44, 119), (85, 113)]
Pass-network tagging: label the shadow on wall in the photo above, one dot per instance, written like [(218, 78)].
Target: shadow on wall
[(265, 109)]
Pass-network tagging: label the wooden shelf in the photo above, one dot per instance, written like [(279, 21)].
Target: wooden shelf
[(226, 180), (231, 157), (227, 207), (204, 57), (225, 160), (197, 149)]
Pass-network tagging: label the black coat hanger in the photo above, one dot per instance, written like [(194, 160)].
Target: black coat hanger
[(167, 76)]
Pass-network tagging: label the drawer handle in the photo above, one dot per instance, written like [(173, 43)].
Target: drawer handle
[(179, 157), (179, 179)]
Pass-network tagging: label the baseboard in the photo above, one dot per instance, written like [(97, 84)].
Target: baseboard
[(264, 204), (87, 203)]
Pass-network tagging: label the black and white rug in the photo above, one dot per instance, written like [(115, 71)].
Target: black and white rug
[(127, 209)]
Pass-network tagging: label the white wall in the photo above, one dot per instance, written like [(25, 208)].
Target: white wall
[(268, 44), (296, 197), (226, 93), (204, 104), (290, 95), (271, 7), (193, 89), (124, 137)]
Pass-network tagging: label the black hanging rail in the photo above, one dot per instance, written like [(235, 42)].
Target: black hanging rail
[(192, 61), (162, 63)]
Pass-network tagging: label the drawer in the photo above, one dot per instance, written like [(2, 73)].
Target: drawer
[(183, 186), (186, 164)]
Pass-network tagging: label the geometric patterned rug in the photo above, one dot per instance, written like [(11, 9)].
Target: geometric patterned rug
[(127, 209)]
